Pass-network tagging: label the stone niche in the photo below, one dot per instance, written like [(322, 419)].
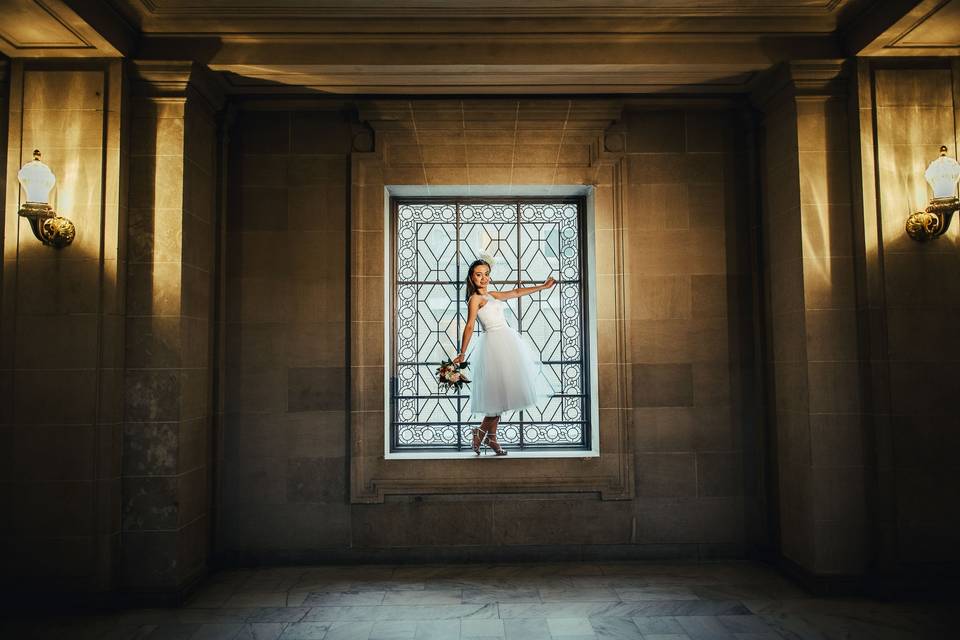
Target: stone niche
[(473, 145)]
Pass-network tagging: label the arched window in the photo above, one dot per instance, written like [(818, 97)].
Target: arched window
[(433, 242)]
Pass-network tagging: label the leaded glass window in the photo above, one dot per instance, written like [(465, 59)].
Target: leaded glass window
[(434, 240)]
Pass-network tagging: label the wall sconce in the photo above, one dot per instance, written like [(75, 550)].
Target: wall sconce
[(37, 180), (942, 174)]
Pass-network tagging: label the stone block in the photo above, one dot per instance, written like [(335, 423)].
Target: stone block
[(664, 297), (51, 341), (791, 387), (709, 131), (658, 206), (315, 434), (786, 286), (264, 132), (76, 397), (842, 547), (412, 524), (260, 209), (708, 296), (156, 137), (711, 384), (156, 182), (367, 253), (258, 300), (664, 429), (839, 494), (660, 341), (254, 481), (316, 388), (150, 448), (668, 520), (45, 89), (661, 385), (73, 516), (834, 387), (197, 247), (61, 129), (788, 337), (256, 390), (154, 342), (720, 474), (150, 503), (317, 255), (666, 475), (154, 289), (192, 495), (153, 395), (831, 334), (316, 170), (69, 286), (150, 559), (155, 235), (54, 453), (552, 521), (909, 87), (655, 131), (313, 133), (261, 169), (316, 479)]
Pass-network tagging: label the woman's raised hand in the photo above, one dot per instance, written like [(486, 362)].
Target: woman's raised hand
[(549, 282)]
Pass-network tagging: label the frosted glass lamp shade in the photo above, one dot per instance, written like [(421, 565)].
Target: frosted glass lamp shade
[(942, 174), (37, 180)]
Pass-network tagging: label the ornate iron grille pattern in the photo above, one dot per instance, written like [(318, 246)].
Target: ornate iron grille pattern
[(434, 242)]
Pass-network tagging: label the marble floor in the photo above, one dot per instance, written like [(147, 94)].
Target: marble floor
[(572, 601)]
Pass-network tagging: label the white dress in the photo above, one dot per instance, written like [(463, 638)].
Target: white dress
[(506, 370)]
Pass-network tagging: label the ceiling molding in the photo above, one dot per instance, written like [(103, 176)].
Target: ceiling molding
[(174, 79), (47, 29), (365, 9), (504, 79), (930, 28)]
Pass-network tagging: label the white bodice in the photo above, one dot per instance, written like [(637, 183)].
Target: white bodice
[(491, 314)]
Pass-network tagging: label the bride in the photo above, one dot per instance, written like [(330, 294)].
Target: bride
[(505, 369)]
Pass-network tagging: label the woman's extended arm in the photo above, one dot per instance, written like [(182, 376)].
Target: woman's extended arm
[(523, 291), (472, 307)]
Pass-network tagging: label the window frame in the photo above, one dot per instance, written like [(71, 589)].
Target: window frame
[(588, 324)]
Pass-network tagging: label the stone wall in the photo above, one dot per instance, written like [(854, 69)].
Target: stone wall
[(62, 334), (282, 455), (285, 491), (910, 309)]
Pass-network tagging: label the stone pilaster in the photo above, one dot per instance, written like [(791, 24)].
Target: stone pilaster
[(812, 319), (168, 409)]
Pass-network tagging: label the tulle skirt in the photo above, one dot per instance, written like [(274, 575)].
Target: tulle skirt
[(507, 374)]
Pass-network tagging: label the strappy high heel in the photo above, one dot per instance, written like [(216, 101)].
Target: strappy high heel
[(491, 440), (477, 441)]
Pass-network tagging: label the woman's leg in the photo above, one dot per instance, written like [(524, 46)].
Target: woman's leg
[(492, 438)]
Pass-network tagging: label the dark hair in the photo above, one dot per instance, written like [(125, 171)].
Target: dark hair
[(471, 288)]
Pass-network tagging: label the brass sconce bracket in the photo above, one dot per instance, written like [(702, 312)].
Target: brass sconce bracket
[(933, 222), (48, 227)]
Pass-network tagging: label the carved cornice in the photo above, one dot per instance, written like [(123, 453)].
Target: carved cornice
[(175, 79)]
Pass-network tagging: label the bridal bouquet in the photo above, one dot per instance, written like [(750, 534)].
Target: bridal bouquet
[(450, 375)]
